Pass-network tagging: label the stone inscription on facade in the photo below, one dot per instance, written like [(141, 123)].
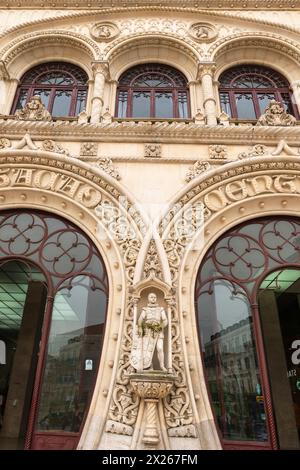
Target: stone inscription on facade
[(249, 187), (50, 181)]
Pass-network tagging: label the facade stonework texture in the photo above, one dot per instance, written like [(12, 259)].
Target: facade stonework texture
[(152, 193)]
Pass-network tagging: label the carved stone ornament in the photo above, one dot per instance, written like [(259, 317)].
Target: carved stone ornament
[(275, 115), (203, 32), (153, 150), (107, 165), (197, 169), (257, 150), (218, 152), (4, 143), (52, 146), (152, 265), (88, 149), (34, 110), (152, 388), (104, 31)]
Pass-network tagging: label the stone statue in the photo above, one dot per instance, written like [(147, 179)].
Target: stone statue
[(149, 335), (275, 115), (34, 110)]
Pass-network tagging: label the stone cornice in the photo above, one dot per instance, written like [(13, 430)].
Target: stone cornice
[(156, 4), (162, 131)]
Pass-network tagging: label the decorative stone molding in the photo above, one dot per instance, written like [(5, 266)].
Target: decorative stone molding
[(88, 149), (254, 40), (83, 117), (284, 147), (104, 31), (153, 150), (257, 150), (197, 169), (34, 110), (115, 427), (206, 68), (275, 115), (218, 152), (203, 32), (107, 165), (4, 75), (55, 37), (182, 431), (101, 67), (223, 119), (152, 266), (199, 118)]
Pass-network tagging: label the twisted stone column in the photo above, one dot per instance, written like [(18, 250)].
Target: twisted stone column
[(205, 74), (101, 73)]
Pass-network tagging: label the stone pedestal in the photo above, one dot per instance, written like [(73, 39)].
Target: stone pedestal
[(152, 386)]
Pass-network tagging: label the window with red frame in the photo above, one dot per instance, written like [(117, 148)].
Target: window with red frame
[(61, 86), (246, 90), (153, 91)]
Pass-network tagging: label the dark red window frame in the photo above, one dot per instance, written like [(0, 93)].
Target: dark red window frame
[(273, 260), (277, 85), (32, 80), (177, 86)]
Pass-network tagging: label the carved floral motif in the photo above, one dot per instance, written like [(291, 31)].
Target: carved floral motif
[(107, 165), (218, 152), (197, 169), (4, 143), (152, 266), (88, 149), (153, 150), (257, 150)]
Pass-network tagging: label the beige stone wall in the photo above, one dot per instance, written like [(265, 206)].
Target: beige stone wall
[(241, 176)]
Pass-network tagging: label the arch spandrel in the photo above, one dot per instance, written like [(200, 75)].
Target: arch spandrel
[(228, 196)]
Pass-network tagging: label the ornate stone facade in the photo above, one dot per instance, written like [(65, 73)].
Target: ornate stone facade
[(153, 194)]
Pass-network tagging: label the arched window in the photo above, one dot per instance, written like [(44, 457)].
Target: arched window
[(53, 301), (247, 301), (246, 90), (152, 91), (62, 87)]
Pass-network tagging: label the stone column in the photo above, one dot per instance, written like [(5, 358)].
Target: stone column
[(101, 73), (205, 74)]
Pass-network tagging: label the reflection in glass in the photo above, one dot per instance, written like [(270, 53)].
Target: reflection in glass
[(231, 362), (245, 106), (45, 95), (264, 100), (74, 349), (62, 102), (141, 104), (163, 105)]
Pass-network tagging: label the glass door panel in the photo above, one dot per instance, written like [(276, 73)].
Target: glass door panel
[(74, 350), (22, 305), (279, 301)]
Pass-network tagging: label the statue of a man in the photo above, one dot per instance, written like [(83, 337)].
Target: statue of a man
[(150, 335)]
